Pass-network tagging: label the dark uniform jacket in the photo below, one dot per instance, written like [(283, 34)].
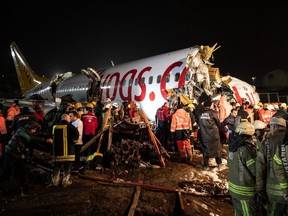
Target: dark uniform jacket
[(63, 147), (266, 176), (242, 167), (209, 124), (20, 141)]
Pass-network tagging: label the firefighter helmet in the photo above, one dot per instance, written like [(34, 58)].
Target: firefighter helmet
[(259, 125), (245, 127), (278, 121), (90, 105)]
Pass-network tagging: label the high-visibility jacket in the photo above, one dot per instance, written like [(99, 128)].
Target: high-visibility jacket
[(181, 125), (280, 166), (266, 177), (65, 135), (3, 129), (11, 113), (242, 169)]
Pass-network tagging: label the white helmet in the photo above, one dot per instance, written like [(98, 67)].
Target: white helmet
[(115, 104), (259, 125), (245, 127)]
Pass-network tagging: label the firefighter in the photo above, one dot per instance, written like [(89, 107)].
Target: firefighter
[(16, 153), (65, 135), (181, 129), (280, 166), (266, 180), (260, 132), (242, 170)]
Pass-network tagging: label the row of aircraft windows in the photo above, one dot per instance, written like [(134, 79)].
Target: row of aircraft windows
[(158, 79)]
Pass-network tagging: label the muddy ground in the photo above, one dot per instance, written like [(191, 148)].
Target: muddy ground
[(177, 189)]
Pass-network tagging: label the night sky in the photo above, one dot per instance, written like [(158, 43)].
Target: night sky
[(60, 37)]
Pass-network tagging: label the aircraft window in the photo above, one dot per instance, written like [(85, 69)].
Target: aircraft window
[(177, 76), (158, 78), (167, 78), (130, 82), (136, 82), (187, 76), (142, 80), (150, 80)]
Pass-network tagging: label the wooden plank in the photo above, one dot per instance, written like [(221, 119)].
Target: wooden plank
[(153, 138), (135, 201)]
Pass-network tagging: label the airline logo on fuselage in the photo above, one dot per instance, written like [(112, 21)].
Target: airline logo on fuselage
[(112, 84)]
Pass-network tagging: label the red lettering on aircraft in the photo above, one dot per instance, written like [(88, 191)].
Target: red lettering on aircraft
[(163, 79), (142, 85), (237, 95), (114, 84)]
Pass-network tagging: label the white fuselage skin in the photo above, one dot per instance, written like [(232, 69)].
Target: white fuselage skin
[(144, 81)]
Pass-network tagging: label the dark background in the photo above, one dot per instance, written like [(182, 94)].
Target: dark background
[(62, 36)]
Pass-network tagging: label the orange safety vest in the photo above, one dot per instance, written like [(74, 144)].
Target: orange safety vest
[(3, 128)]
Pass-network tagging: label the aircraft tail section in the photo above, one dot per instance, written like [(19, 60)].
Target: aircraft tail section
[(26, 76)]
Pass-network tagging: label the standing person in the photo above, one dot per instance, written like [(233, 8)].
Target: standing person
[(162, 120), (280, 166), (228, 126), (260, 132), (15, 153), (209, 125), (22, 119), (266, 179), (3, 133), (90, 127), (11, 113), (181, 129), (76, 122), (242, 170), (65, 135), (190, 109)]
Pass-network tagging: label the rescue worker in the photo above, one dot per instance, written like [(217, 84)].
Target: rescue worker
[(11, 113), (22, 119), (266, 180), (280, 166), (282, 112), (181, 129), (162, 121), (16, 153), (209, 125), (65, 135), (90, 127), (190, 109), (3, 133), (242, 170), (260, 132), (228, 126)]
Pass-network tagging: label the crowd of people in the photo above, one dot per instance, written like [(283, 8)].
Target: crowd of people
[(255, 134), (73, 124), (257, 148)]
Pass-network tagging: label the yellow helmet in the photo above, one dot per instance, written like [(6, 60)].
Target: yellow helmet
[(90, 105), (78, 105), (260, 104), (94, 103), (190, 105), (245, 127)]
